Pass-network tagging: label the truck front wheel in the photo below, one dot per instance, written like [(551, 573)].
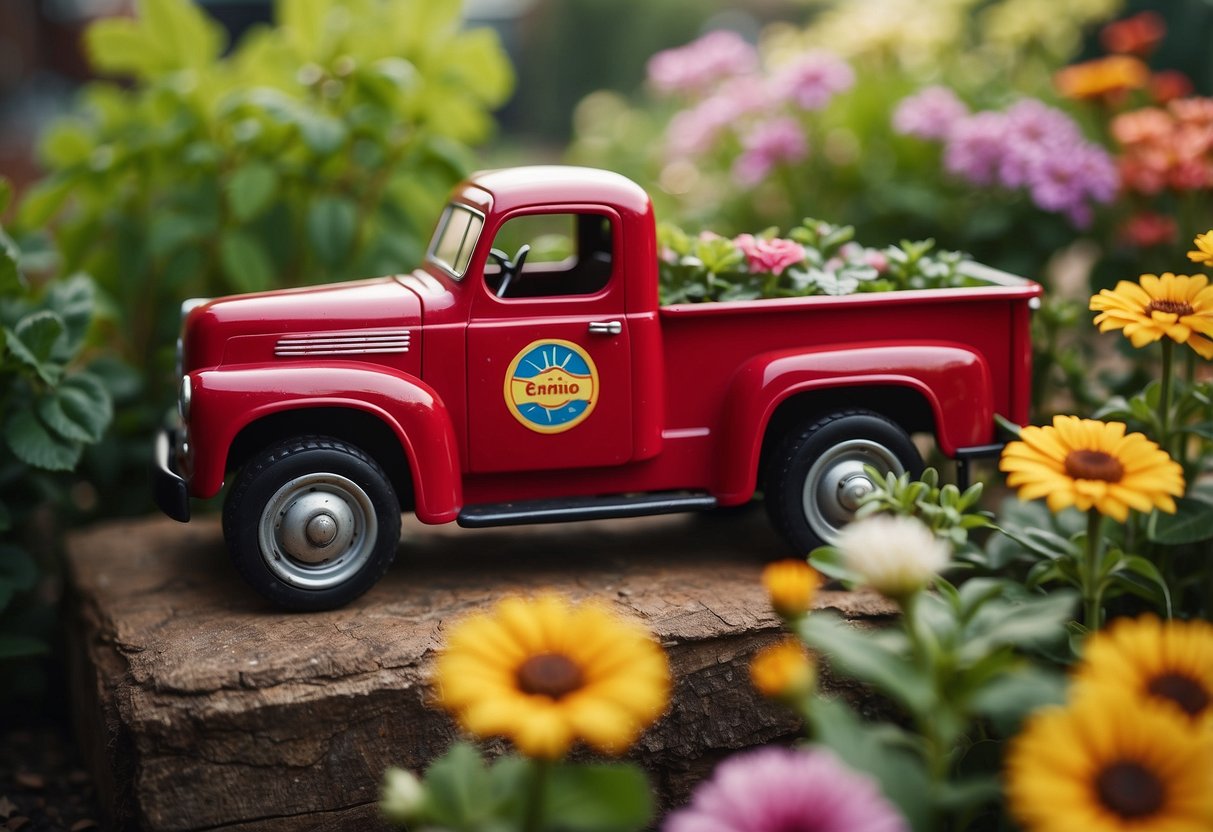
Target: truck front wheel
[(312, 523), (816, 477)]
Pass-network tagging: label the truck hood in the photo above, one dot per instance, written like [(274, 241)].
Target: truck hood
[(362, 304)]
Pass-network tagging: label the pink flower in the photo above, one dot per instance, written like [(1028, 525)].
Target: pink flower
[(696, 67), (769, 255), (769, 143), (813, 79), (778, 789), (930, 113), (694, 131)]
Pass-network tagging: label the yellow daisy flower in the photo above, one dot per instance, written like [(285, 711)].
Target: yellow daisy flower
[(791, 585), (1088, 463), (1167, 661), (782, 670), (1109, 762), (1177, 306), (1204, 249), (545, 673)]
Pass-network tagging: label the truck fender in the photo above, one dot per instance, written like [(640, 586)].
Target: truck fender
[(953, 379), (225, 401)]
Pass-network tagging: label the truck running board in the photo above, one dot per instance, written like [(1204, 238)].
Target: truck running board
[(581, 508)]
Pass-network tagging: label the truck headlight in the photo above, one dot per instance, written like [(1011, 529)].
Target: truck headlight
[(183, 398)]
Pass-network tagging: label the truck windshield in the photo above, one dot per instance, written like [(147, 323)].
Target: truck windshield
[(455, 239)]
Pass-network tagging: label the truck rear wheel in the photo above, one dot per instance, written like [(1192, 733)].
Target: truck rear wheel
[(312, 523), (815, 479)]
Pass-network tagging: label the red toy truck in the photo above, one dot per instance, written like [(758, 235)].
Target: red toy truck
[(491, 391)]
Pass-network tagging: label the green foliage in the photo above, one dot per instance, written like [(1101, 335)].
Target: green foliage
[(709, 267), (50, 410), (318, 149), (461, 793), (959, 668)]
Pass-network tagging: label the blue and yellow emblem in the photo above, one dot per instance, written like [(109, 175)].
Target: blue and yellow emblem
[(551, 386)]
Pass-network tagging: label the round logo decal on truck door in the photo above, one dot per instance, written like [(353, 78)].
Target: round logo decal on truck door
[(551, 386)]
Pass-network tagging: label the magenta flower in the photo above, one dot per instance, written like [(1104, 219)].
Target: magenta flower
[(694, 68), (769, 255), (930, 113), (781, 790), (693, 132), (767, 144), (813, 79)]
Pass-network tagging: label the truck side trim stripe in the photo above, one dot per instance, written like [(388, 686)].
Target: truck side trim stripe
[(377, 341)]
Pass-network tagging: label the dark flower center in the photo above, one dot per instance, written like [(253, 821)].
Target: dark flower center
[(550, 674), (1184, 691), (1094, 465), (1130, 790), (1172, 307)]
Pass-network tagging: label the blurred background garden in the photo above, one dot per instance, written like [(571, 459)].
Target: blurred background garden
[(158, 150)]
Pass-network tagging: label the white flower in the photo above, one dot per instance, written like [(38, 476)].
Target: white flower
[(896, 556), (403, 795)]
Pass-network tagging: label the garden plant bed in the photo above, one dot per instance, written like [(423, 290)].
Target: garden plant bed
[(202, 707)]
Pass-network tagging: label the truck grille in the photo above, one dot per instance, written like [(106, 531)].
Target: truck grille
[(344, 343)]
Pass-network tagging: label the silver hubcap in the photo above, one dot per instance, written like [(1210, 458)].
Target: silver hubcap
[(836, 483), (317, 531)]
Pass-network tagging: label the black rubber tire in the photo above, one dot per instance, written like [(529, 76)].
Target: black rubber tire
[(262, 478), (849, 436)]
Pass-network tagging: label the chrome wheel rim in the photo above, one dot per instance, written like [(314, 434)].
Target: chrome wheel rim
[(836, 482), (317, 531)]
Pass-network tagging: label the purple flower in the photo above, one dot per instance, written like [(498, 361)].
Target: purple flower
[(780, 790), (813, 79), (769, 143), (930, 113), (1034, 131), (1069, 179), (697, 66), (975, 147)]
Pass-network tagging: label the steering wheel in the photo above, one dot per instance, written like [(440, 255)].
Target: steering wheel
[(509, 269)]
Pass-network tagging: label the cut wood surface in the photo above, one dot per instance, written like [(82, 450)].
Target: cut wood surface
[(202, 707)]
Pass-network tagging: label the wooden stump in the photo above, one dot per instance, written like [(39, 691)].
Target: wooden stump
[(200, 706)]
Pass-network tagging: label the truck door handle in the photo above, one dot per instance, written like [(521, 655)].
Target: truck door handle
[(605, 327)]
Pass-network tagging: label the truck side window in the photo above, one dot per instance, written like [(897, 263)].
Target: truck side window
[(571, 254)]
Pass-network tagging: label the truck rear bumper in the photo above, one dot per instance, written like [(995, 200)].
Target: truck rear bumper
[(168, 487)]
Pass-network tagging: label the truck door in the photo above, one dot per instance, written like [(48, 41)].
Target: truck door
[(549, 358)]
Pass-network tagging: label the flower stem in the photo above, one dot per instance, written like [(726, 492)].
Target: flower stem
[(532, 819), (1164, 398), (1092, 594)]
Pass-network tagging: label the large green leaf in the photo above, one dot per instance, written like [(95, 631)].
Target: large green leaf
[(860, 655), (34, 445), (32, 342), (597, 798), (79, 410), (119, 46), (1012, 695), (1192, 522), (245, 263), (331, 226), (181, 30), (251, 189), (10, 275), (72, 299)]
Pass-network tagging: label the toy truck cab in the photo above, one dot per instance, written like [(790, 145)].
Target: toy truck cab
[(525, 373)]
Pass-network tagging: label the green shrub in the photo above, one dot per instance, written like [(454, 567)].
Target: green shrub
[(315, 150), (49, 411)]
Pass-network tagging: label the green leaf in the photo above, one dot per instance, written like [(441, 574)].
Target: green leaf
[(246, 265), (322, 133), (251, 189), (34, 445), (1009, 697), (1192, 522), (597, 798), (10, 274), (67, 142), (331, 225), (182, 32), (79, 410), (32, 342), (858, 654), (6, 194), (72, 300), (118, 46), (43, 201), (20, 647), (170, 230)]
